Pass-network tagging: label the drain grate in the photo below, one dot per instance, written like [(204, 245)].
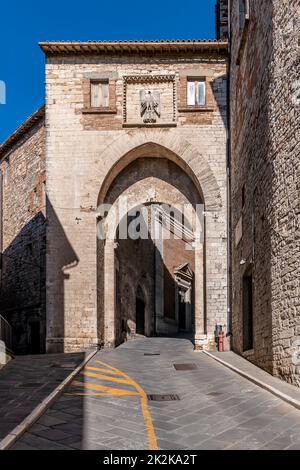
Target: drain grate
[(68, 365), (152, 354), (171, 397), (188, 366)]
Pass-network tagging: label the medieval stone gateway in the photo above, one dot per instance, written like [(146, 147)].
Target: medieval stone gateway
[(146, 125), (153, 175), (100, 153)]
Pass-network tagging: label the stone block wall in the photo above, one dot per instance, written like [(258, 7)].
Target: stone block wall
[(265, 169), (23, 230)]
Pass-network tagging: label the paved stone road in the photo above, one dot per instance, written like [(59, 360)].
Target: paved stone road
[(27, 380), (217, 408)]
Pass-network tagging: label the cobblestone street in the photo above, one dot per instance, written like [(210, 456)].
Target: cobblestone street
[(111, 405)]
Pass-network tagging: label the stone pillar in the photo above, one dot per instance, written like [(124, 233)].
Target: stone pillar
[(200, 333), (109, 294), (159, 277), (188, 308)]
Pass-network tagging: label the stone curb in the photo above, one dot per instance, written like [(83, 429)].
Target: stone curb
[(17, 432), (291, 401)]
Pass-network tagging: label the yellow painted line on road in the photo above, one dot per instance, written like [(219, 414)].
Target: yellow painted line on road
[(107, 391), (152, 442), (90, 394), (104, 377), (100, 369), (112, 391)]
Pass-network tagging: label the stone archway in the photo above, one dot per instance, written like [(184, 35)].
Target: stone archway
[(161, 143), (172, 185)]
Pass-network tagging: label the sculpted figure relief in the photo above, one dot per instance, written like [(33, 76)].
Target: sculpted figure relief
[(150, 105)]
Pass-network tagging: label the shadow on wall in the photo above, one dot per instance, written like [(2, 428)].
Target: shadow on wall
[(22, 288), (219, 89), (60, 258)]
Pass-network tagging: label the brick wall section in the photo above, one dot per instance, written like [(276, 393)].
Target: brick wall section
[(22, 293), (265, 159), (82, 150)]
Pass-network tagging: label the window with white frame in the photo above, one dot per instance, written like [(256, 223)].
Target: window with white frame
[(99, 94), (196, 92)]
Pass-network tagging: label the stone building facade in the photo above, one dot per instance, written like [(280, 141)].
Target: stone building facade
[(129, 131), (23, 234), (98, 153), (145, 123), (265, 175)]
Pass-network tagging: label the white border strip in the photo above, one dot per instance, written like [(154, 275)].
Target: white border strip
[(269, 388), (17, 432)]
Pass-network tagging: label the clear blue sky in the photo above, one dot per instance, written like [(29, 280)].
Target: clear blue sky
[(26, 22)]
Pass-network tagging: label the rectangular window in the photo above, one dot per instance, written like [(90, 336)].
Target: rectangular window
[(99, 94), (7, 170), (243, 13), (196, 92), (248, 312), (243, 196)]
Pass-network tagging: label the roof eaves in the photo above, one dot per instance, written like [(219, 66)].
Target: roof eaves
[(129, 47), (28, 124)]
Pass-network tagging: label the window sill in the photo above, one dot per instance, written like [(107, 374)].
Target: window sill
[(99, 111), (196, 109), (156, 124)]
